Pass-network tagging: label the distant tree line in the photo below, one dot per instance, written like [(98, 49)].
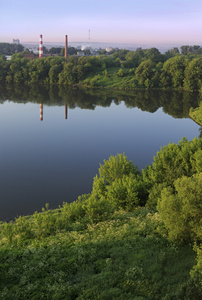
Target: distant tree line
[(143, 68), (12, 48), (9, 49)]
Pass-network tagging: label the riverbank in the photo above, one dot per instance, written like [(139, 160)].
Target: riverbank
[(196, 114), (143, 68), (127, 239)]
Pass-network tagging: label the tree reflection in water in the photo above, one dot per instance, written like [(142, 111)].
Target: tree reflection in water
[(174, 103)]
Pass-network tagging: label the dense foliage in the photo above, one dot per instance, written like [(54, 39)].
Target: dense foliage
[(9, 49), (146, 68), (196, 114), (107, 244)]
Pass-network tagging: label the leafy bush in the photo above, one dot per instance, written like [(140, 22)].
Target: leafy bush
[(97, 209), (172, 162), (181, 208), (120, 183), (115, 167), (196, 272), (127, 192)]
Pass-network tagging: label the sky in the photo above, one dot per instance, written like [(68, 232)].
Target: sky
[(111, 21)]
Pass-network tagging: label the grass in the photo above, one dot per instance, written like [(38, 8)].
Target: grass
[(121, 257), (110, 78)]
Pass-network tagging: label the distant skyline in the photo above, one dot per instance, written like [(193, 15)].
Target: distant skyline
[(150, 22)]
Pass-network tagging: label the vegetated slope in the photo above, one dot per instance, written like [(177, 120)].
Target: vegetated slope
[(196, 114), (107, 244), (123, 257)]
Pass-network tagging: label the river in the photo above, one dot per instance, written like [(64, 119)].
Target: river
[(53, 139)]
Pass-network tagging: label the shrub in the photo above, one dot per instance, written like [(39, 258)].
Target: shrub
[(116, 167), (175, 160), (97, 209), (127, 192), (181, 208)]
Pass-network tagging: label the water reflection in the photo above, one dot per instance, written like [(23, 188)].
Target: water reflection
[(65, 111), (41, 111), (54, 160), (174, 103)]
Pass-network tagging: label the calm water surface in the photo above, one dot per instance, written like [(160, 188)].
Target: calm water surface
[(55, 160)]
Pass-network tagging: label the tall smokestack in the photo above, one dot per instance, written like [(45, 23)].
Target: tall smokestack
[(66, 46), (40, 46)]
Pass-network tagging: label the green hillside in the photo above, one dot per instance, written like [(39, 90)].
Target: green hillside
[(137, 235)]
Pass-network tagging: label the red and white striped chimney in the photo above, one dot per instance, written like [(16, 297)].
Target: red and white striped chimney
[(41, 112), (40, 46)]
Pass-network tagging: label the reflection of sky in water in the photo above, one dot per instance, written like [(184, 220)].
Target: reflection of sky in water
[(54, 160)]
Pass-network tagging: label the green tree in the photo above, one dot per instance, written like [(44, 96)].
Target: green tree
[(172, 52), (120, 183), (144, 73), (154, 55), (71, 51), (174, 161), (4, 68), (120, 73), (174, 68), (113, 169), (55, 50), (127, 192), (9, 49), (134, 58), (181, 209), (54, 73), (185, 49), (120, 54), (66, 76), (196, 272), (193, 75), (17, 72)]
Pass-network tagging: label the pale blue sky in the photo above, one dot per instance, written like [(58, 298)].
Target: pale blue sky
[(112, 21)]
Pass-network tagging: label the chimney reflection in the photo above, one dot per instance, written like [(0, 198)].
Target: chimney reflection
[(41, 111), (65, 111)]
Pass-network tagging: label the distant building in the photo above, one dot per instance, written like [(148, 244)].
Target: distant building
[(80, 53), (29, 55), (16, 41), (109, 49)]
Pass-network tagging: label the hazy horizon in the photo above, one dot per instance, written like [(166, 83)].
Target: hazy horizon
[(154, 22), (97, 45)]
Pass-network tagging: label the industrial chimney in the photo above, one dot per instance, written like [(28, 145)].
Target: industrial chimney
[(66, 46), (40, 46)]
